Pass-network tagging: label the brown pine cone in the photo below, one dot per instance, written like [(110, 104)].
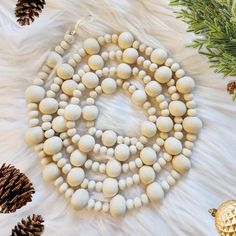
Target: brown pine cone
[(32, 226), (231, 87), (27, 10), (15, 189)]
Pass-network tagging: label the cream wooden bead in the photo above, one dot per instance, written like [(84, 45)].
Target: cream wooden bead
[(110, 187), (155, 192), (147, 174), (91, 46), (148, 129), (164, 124), (123, 71), (90, 80), (53, 59), (34, 135), (153, 89), (192, 124), (122, 152), (48, 105), (34, 93), (148, 156), (86, 143), (130, 204), (65, 71), (51, 172), (95, 62), (139, 97), (163, 74), (113, 168), (78, 158), (177, 108), (80, 199), (125, 40), (72, 112), (130, 55), (181, 164), (173, 146), (52, 145), (158, 56), (90, 112), (185, 85), (118, 206), (109, 86), (75, 176), (109, 138), (68, 87)]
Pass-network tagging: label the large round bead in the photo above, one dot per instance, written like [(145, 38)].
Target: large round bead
[(155, 192), (51, 172), (80, 199), (164, 124), (52, 145), (53, 59), (163, 74), (177, 108), (113, 168), (192, 125), (185, 85), (122, 152), (109, 138), (147, 174), (173, 146), (125, 40), (148, 156), (69, 86), (59, 124), (110, 187), (34, 93), (91, 46), (109, 86), (90, 113), (75, 177), (77, 158), (86, 143), (90, 80), (34, 135), (48, 105), (153, 89), (181, 164), (118, 206), (65, 71), (130, 55), (139, 97), (95, 62), (123, 71), (148, 129), (72, 112), (158, 56)]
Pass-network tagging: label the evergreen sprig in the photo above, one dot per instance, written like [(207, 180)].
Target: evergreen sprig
[(213, 21)]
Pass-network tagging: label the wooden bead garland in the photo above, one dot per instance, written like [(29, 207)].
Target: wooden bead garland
[(65, 154)]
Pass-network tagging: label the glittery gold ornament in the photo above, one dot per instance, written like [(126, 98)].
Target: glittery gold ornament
[(225, 218)]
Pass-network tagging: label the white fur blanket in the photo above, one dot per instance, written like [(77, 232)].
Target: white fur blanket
[(184, 211)]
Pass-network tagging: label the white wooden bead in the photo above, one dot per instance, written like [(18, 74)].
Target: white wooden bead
[(95, 166), (34, 135), (90, 80), (139, 97), (51, 172), (153, 89), (98, 206), (53, 59), (110, 187), (130, 204), (177, 108), (69, 192), (52, 145), (125, 40), (123, 71), (192, 124), (91, 204), (78, 158), (72, 112), (158, 56), (59, 181), (148, 156), (91, 46), (137, 202), (147, 174), (105, 207), (98, 187), (109, 86), (80, 199), (113, 168), (163, 74), (109, 138), (75, 176), (65, 71), (125, 167), (148, 129), (69, 86), (95, 62), (129, 182), (91, 185), (118, 206), (164, 124), (157, 167), (48, 105), (34, 93), (181, 164), (122, 152), (90, 112), (138, 162), (86, 143), (173, 146), (136, 178), (130, 55), (185, 85), (155, 192), (180, 73)]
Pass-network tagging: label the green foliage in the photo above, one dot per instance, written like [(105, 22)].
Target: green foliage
[(213, 21)]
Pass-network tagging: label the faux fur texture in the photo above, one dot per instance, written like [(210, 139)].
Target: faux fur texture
[(184, 211)]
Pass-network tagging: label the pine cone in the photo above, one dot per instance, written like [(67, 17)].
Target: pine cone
[(231, 87), (15, 189), (32, 226), (27, 10)]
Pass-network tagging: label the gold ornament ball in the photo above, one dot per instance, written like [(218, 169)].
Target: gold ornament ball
[(225, 218)]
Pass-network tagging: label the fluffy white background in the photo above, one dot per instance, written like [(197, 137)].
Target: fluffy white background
[(184, 210)]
